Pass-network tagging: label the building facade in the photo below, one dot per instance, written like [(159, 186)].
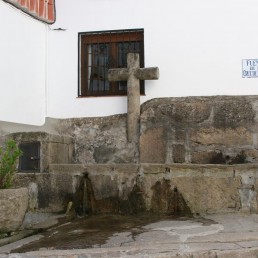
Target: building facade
[(200, 48)]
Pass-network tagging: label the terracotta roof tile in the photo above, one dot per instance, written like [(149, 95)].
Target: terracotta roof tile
[(43, 10)]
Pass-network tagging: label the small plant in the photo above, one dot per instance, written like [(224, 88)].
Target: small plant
[(9, 155)]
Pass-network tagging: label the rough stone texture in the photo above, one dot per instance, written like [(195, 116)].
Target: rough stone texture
[(202, 130), (50, 192), (114, 188), (54, 149), (154, 146), (14, 204), (233, 112), (173, 130), (217, 137), (167, 199), (100, 140), (204, 189), (110, 188), (172, 189), (178, 153), (131, 188), (179, 111)]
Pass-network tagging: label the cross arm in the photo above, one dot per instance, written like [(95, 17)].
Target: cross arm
[(151, 73), (119, 74)]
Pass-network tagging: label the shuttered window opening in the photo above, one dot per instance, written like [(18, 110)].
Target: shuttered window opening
[(101, 51), (43, 10)]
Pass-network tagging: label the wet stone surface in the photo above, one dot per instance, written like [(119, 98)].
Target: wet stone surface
[(98, 231), (217, 235)]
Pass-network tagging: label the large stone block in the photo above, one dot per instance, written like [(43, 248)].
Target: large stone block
[(207, 157), (233, 112), (103, 154), (199, 189), (178, 153), (177, 110), (228, 137), (153, 146), (51, 192), (100, 140), (14, 204), (251, 155), (210, 194)]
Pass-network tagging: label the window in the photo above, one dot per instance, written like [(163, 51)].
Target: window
[(101, 51), (30, 159)]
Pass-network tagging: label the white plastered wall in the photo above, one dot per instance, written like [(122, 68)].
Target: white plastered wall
[(198, 46), (22, 67)]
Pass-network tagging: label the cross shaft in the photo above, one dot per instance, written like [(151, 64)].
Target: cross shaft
[(133, 74)]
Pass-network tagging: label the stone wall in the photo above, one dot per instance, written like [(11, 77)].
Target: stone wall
[(54, 149), (200, 130), (169, 189), (99, 140), (50, 192), (203, 188), (122, 177)]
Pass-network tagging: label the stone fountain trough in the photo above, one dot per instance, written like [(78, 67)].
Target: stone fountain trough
[(135, 188)]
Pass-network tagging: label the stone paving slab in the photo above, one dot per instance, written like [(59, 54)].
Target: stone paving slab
[(8, 248), (230, 235), (140, 252)]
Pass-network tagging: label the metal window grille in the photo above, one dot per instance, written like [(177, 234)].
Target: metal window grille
[(101, 51), (30, 159)]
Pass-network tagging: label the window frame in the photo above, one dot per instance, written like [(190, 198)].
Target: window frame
[(112, 38)]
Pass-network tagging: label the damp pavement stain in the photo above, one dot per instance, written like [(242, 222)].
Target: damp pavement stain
[(147, 235), (109, 231)]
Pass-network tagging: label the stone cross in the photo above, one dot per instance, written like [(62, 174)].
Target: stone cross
[(133, 74)]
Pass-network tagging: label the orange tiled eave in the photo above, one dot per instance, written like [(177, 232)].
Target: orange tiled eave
[(43, 10)]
